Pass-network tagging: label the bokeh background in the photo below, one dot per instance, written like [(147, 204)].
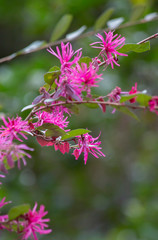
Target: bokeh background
[(112, 198)]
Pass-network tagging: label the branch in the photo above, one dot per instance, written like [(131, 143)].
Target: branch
[(148, 38), (107, 103), (87, 34)]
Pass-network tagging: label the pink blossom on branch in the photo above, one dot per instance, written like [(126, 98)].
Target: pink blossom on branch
[(133, 91), (109, 47), (86, 76), (14, 127), (34, 223), (66, 54), (153, 103), (9, 152), (87, 144), (55, 117), (3, 218)]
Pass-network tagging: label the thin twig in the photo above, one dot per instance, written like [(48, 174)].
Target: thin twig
[(87, 34), (148, 38)]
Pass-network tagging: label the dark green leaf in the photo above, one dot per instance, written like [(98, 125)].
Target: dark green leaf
[(138, 48), (125, 110), (18, 210), (51, 75), (55, 131), (101, 21), (86, 60), (74, 133), (61, 27)]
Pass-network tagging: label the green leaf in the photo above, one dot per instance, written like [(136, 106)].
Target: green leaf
[(51, 75), (45, 126), (32, 47), (92, 105), (101, 21), (138, 48), (73, 108), (76, 33), (137, 12), (17, 211), (28, 107), (142, 98), (61, 27), (126, 110), (86, 60), (74, 133), (55, 131)]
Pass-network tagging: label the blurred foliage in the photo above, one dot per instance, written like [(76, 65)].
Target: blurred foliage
[(115, 198)]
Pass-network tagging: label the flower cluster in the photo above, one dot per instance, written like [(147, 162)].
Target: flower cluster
[(9, 150)]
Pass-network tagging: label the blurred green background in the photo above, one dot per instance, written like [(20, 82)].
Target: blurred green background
[(112, 198)]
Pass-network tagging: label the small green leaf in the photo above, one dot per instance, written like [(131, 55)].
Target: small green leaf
[(61, 27), (125, 110), (17, 211), (51, 75), (74, 133), (138, 48), (55, 131), (86, 60), (101, 21)]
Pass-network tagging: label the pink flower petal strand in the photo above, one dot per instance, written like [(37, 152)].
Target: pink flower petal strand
[(109, 47)]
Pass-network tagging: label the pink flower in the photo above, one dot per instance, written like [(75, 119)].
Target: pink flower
[(66, 54), (63, 147), (56, 117), (68, 88), (109, 47), (86, 76), (3, 218), (12, 152), (114, 96), (87, 144), (153, 103), (13, 128), (2, 202), (35, 223), (133, 91)]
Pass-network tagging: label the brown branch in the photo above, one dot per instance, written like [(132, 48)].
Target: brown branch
[(87, 34), (112, 104)]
